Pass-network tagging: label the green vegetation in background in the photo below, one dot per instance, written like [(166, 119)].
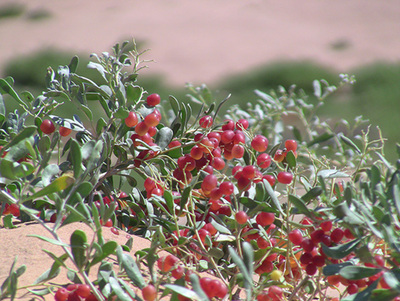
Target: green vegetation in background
[(38, 14), (11, 10), (270, 76), (376, 94)]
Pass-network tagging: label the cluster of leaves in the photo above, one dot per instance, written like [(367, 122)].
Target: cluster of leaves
[(220, 205)]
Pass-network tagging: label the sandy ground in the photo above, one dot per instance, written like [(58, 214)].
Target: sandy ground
[(198, 41), (201, 41)]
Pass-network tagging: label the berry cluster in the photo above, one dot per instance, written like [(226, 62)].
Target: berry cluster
[(75, 292)]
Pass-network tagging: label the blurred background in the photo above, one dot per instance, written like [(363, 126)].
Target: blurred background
[(232, 46)]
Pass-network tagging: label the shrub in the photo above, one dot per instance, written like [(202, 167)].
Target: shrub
[(221, 193)]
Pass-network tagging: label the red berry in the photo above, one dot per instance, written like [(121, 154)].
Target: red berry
[(64, 131), (291, 145), (174, 143), (243, 183), (131, 120), (265, 218), (296, 237), (285, 177), (279, 156), (178, 272), (229, 125), (264, 160), (47, 127), (227, 188), (262, 243), (270, 179), (318, 260), (249, 171), (275, 293), (348, 234), (61, 294), (71, 287), (352, 288), (317, 235), (306, 258), (206, 121), (259, 143), (149, 293), (237, 151), (83, 290), (239, 137), (242, 124), (311, 269), (326, 226), (151, 120), (209, 183), (210, 228), (337, 235), (114, 230), (141, 128), (307, 245), (241, 217), (218, 163), (227, 136), (153, 99)]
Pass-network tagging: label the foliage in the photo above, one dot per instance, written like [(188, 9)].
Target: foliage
[(270, 201), (10, 10)]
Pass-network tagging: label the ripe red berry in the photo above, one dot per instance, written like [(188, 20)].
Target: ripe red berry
[(178, 272), (270, 179), (307, 245), (151, 120), (352, 288), (206, 121), (306, 258), (83, 290), (229, 125), (337, 235), (131, 120), (226, 188), (296, 237), (237, 151), (259, 143), (317, 235), (47, 126), (218, 163), (242, 124), (153, 99), (326, 226), (285, 177), (149, 293), (114, 230), (318, 260), (291, 145), (241, 217), (249, 171), (141, 128), (243, 183), (61, 294), (209, 183), (174, 143), (311, 269), (265, 218), (275, 293), (264, 160), (64, 131), (348, 234), (196, 152)]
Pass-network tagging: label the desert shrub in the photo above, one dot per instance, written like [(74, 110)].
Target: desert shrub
[(270, 201)]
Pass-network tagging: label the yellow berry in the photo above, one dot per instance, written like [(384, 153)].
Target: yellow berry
[(276, 275)]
